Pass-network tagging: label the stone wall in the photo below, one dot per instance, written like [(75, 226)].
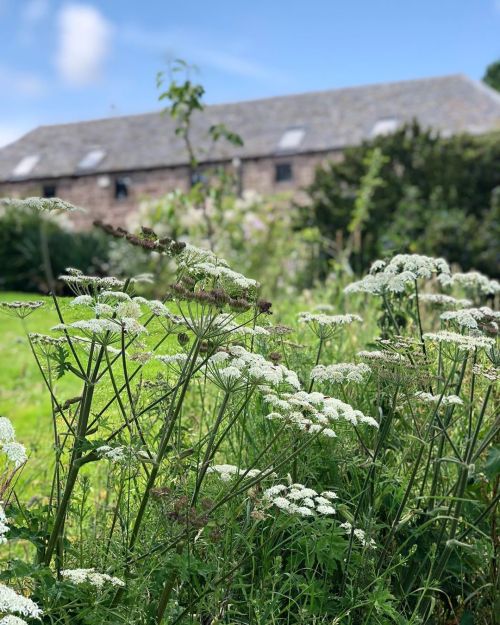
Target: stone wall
[(96, 193)]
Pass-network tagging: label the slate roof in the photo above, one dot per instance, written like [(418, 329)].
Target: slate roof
[(331, 120)]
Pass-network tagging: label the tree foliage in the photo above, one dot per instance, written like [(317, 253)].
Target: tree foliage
[(434, 195), (492, 75)]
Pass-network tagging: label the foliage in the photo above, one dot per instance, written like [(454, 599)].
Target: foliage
[(216, 467), (435, 196), (492, 75), (36, 246)]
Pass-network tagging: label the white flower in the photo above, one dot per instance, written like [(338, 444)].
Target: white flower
[(15, 452), (128, 310), (465, 343), (401, 270), (468, 318), (91, 576), (82, 300), (10, 619), (324, 325), (383, 356), (4, 528), (298, 499), (440, 299), (359, 534), (227, 471), (341, 372), (7, 433), (473, 280), (116, 455), (446, 400), (11, 601)]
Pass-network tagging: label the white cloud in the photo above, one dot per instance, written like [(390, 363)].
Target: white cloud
[(20, 83), (35, 10), (190, 46), (84, 41)]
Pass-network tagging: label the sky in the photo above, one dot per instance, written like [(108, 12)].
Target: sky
[(69, 60)]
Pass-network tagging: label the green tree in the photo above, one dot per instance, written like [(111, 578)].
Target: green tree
[(492, 75), (433, 195)]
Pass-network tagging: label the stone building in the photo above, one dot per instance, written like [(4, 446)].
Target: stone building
[(109, 165)]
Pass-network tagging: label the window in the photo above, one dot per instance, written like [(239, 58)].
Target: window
[(121, 188), (291, 139), (92, 159), (25, 166), (384, 126), (49, 190), (197, 177), (283, 172)]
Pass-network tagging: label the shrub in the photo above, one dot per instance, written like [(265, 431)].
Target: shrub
[(434, 196), (36, 246)]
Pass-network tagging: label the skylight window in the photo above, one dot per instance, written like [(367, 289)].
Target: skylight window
[(92, 159), (291, 139), (384, 126), (25, 166)]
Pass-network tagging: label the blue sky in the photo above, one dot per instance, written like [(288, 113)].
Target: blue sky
[(65, 60)]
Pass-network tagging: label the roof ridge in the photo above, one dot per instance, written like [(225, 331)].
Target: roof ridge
[(267, 99)]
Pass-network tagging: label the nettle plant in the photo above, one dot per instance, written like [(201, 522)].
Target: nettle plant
[(218, 468)]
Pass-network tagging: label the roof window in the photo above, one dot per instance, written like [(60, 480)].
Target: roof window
[(384, 126), (291, 138), (92, 159), (25, 166)]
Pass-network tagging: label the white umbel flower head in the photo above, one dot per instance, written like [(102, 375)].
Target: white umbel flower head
[(341, 372), (7, 433), (4, 528), (10, 619), (15, 452), (299, 500), (12, 602), (92, 577), (465, 343)]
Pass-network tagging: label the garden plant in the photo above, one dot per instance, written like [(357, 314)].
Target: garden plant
[(337, 466)]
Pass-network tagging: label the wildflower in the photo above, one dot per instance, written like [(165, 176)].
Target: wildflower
[(156, 307), (359, 534), (490, 373), (7, 432), (465, 343), (383, 356), (128, 310), (474, 281), (41, 204), (314, 412), (43, 339), (298, 499), (341, 372), (83, 300), (10, 619), (440, 299), (15, 452), (20, 309), (81, 284), (445, 400), (116, 455), (91, 576), (324, 326), (469, 317), (4, 528), (12, 602), (227, 471), (395, 275)]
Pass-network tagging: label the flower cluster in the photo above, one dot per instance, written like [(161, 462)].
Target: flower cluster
[(4, 528), (395, 275), (474, 282), (236, 365), (92, 577), (41, 204), (325, 326), (20, 309), (12, 602), (15, 452), (313, 412), (440, 299), (226, 472), (383, 357), (298, 499), (10, 619), (359, 534), (471, 317), (443, 400), (341, 372), (465, 343)]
